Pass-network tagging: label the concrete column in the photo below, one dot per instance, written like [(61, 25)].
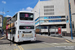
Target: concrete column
[(48, 31)]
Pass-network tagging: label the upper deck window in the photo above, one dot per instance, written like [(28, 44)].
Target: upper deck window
[(26, 16)]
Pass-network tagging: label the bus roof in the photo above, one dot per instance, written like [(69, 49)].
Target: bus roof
[(26, 11)]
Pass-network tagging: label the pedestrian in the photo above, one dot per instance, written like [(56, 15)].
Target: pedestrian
[(2, 32)]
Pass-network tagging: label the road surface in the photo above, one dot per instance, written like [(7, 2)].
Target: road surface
[(41, 43)]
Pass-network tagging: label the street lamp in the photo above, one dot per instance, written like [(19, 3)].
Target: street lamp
[(70, 19)]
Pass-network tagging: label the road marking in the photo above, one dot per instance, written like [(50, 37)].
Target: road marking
[(52, 44), (19, 47), (1, 38), (14, 44), (22, 47), (68, 41), (15, 49)]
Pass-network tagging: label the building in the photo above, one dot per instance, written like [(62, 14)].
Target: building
[(72, 3), (53, 13), (1, 22), (8, 17)]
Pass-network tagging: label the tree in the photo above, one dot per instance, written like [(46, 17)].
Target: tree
[(4, 23)]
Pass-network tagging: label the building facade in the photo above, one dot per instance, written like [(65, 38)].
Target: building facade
[(53, 13), (72, 3), (1, 22)]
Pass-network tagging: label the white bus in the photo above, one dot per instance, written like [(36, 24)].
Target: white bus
[(21, 27)]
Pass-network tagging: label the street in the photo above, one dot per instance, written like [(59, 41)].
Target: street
[(37, 25), (42, 43)]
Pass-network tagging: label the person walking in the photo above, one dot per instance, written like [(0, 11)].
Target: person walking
[(2, 32)]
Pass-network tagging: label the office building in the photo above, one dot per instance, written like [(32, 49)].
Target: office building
[(53, 13)]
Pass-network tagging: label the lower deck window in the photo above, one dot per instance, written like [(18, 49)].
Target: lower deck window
[(26, 27)]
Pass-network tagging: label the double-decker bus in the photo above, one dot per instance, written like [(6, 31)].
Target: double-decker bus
[(21, 27)]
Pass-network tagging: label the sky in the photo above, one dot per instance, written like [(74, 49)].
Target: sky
[(10, 7)]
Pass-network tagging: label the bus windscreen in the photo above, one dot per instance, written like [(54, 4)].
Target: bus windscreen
[(26, 16)]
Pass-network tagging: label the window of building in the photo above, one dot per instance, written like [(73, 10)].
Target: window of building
[(41, 21), (61, 25), (57, 20), (45, 20), (49, 10), (0, 20), (45, 17), (52, 13), (43, 27), (36, 22), (46, 10), (37, 19), (51, 6)]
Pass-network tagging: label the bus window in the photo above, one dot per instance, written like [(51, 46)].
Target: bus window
[(26, 16), (26, 27), (13, 31), (14, 18), (8, 31)]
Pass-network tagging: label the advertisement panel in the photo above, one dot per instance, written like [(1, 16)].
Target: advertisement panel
[(12, 24)]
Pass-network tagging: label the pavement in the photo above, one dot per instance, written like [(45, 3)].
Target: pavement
[(69, 38), (0, 35), (5, 44)]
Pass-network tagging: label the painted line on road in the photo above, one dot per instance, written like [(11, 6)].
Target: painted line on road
[(53, 44), (19, 47), (22, 47), (1, 38), (14, 44), (68, 41), (15, 49)]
